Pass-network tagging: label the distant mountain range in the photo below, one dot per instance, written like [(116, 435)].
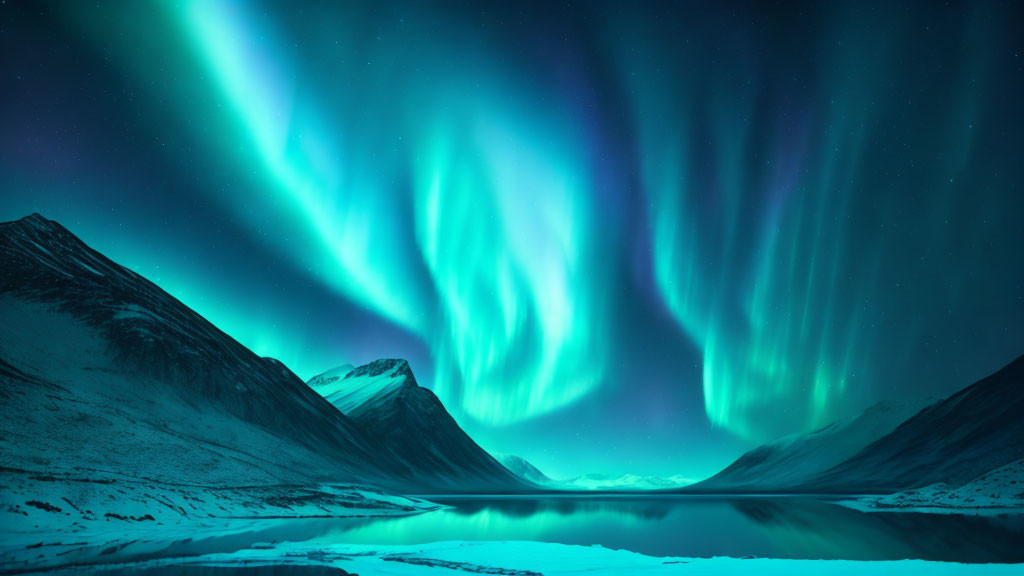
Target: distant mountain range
[(590, 482), (628, 482)]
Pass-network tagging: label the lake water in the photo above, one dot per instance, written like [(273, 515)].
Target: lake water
[(692, 526), (686, 526), (678, 526)]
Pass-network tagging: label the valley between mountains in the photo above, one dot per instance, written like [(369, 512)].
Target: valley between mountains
[(131, 423)]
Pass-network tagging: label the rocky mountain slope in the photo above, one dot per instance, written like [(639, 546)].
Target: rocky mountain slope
[(118, 402), (385, 403), (78, 326)]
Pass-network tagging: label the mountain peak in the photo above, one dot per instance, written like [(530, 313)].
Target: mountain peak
[(349, 388), (34, 221), (385, 403), (36, 217), (393, 367), (39, 238)]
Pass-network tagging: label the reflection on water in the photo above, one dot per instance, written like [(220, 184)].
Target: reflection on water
[(705, 527), (687, 526)]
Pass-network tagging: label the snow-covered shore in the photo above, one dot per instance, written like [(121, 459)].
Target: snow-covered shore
[(543, 559), (997, 492), (53, 519)]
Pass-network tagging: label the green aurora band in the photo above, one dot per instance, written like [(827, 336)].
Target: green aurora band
[(516, 313), (436, 178)]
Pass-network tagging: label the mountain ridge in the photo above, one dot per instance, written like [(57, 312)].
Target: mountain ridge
[(522, 468), (949, 442), (953, 441), (54, 285), (792, 460)]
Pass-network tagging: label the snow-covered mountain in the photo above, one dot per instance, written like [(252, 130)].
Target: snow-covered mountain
[(522, 468), (796, 459), (99, 353), (952, 442), (119, 403), (386, 404), (623, 482), (591, 482)]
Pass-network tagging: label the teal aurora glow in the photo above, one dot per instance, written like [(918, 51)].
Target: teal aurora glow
[(607, 236)]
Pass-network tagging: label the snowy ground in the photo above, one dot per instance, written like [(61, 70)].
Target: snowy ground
[(48, 520), (995, 492), (540, 559), (137, 526)]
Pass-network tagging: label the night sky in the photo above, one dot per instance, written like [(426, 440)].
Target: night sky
[(611, 238)]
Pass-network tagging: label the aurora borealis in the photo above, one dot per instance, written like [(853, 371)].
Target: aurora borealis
[(611, 238)]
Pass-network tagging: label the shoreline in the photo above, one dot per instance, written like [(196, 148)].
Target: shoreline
[(517, 558)]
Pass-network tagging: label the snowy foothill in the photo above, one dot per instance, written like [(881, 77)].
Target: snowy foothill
[(996, 492)]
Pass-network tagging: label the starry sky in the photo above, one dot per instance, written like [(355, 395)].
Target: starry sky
[(611, 238)]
